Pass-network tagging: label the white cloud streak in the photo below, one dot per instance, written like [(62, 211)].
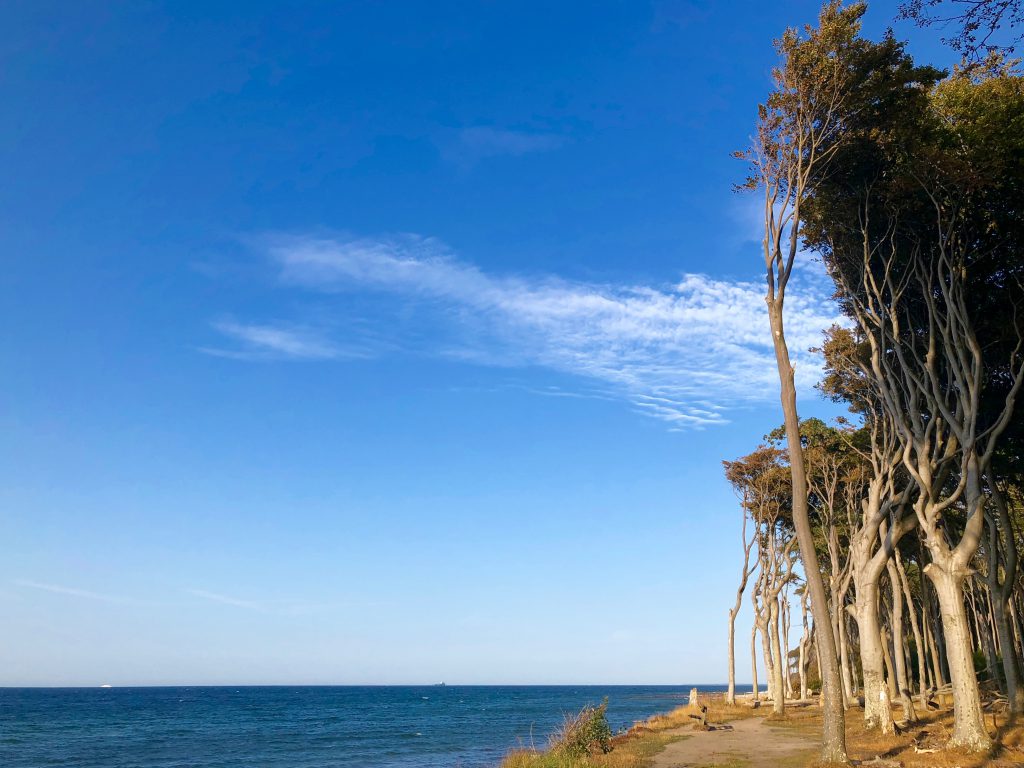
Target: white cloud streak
[(280, 607), (227, 599), (270, 341), (73, 591), (683, 353), (478, 142)]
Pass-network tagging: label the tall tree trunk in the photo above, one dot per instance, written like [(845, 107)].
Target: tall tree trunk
[(778, 683), (1011, 672), (899, 653), (834, 729), (983, 619), (931, 626), (803, 666), (1002, 595), (858, 681), (890, 669), (730, 696), (844, 656), (805, 639), (745, 573), (1018, 636), (887, 655), (787, 670), (769, 666), (877, 711), (753, 664), (915, 626), (948, 571), (938, 680), (968, 722)]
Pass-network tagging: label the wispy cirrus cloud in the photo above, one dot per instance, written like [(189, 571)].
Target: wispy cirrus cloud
[(254, 341), (86, 594), (276, 606), (473, 144), (286, 607), (684, 353), (216, 597)]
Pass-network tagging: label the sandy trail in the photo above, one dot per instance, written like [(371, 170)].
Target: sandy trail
[(751, 742)]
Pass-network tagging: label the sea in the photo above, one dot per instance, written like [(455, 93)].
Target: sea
[(301, 727)]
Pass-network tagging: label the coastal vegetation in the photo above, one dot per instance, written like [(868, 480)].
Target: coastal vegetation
[(897, 529)]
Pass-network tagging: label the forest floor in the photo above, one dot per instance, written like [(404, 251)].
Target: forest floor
[(792, 742)]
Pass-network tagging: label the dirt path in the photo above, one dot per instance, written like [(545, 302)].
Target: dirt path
[(751, 743)]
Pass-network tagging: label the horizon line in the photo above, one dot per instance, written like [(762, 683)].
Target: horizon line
[(111, 686)]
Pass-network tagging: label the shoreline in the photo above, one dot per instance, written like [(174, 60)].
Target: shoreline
[(744, 736)]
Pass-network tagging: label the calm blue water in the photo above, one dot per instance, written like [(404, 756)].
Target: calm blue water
[(302, 727)]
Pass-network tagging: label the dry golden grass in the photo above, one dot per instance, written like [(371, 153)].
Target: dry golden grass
[(931, 732), (636, 747), (718, 712), (634, 752)]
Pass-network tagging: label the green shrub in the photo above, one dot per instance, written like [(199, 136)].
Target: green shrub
[(585, 733)]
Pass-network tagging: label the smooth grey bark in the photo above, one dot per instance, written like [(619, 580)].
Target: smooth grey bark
[(798, 131), (762, 625), (745, 573), (877, 710), (915, 626), (1018, 636), (762, 612), (1011, 668), (968, 722), (899, 646), (986, 635), (890, 669), (1002, 539), (871, 549), (769, 663), (756, 690), (776, 554), (948, 571), (755, 629), (834, 728), (778, 678), (825, 481), (930, 625), (884, 518), (857, 679), (938, 678), (805, 638), (784, 615), (849, 688)]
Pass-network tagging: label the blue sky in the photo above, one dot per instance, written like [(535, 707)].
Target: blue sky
[(381, 343)]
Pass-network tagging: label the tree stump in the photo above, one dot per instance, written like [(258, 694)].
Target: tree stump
[(702, 720)]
